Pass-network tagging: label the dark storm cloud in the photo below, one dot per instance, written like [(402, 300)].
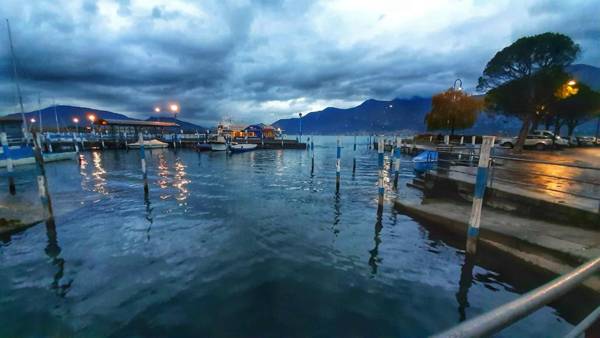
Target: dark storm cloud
[(262, 60)]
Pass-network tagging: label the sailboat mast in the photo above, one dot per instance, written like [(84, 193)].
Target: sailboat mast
[(14, 62)]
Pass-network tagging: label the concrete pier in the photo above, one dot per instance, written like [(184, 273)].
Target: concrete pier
[(551, 247)]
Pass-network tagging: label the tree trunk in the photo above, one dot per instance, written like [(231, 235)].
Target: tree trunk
[(522, 135), (452, 128)]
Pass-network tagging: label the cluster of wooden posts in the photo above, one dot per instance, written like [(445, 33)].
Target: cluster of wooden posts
[(394, 158)]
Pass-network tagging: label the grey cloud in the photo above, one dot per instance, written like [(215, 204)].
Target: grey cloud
[(228, 58)]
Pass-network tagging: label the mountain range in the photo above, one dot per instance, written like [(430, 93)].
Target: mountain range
[(409, 115), (63, 116)]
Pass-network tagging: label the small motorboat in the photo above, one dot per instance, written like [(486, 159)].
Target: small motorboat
[(151, 144), (218, 143), (426, 160), (241, 147)]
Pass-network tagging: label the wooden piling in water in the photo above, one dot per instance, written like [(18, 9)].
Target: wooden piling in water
[(397, 162), (354, 157), (312, 162), (41, 178), (338, 164), (380, 146), (480, 185), (143, 160), (9, 163)]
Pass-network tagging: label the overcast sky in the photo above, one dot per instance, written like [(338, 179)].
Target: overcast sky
[(258, 61)]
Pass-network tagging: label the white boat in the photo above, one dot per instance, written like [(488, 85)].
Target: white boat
[(218, 143), (242, 147), (151, 144)]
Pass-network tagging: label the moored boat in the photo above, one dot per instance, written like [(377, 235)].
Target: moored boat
[(218, 143), (241, 147), (150, 144)]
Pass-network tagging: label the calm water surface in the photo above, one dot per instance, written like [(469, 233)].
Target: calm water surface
[(249, 245)]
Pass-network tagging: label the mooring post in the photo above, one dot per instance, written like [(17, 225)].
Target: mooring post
[(397, 162), (392, 149), (48, 142), (174, 139), (380, 146), (354, 157), (446, 139), (143, 160), (462, 140), (9, 163), (41, 178), (338, 164), (480, 185), (312, 162)]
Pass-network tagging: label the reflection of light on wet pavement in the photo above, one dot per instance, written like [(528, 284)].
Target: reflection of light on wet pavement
[(163, 172)]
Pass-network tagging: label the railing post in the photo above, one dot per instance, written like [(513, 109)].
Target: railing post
[(338, 164), (397, 162), (9, 163), (480, 185), (380, 146)]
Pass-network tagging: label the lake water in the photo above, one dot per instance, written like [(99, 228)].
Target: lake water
[(247, 245)]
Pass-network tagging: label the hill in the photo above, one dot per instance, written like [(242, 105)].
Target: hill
[(187, 127), (65, 115), (371, 115)]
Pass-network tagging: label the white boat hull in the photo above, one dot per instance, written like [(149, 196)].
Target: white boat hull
[(152, 144), (239, 148), (218, 146)]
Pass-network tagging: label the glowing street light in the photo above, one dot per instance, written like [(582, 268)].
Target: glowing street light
[(32, 120), (92, 118), (571, 83), (157, 109), (174, 108), (76, 121)]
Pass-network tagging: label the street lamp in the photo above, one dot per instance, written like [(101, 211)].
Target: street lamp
[(571, 83), (76, 121), (157, 109), (175, 109)]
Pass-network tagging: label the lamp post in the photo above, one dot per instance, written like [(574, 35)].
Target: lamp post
[(76, 121), (174, 109), (32, 120), (92, 118), (456, 87), (300, 121)]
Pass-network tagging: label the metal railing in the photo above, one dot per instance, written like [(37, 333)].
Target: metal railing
[(509, 313)]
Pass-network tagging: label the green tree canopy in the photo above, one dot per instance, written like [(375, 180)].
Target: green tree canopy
[(517, 76), (453, 109)]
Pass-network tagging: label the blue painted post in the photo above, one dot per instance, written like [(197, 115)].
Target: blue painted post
[(480, 185), (396, 162), (9, 163), (143, 160), (380, 146), (41, 178), (312, 162), (76, 147), (354, 157), (338, 164)]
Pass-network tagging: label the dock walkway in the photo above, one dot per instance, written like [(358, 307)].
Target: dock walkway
[(552, 247)]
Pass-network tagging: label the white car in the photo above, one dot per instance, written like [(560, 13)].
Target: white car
[(538, 139)]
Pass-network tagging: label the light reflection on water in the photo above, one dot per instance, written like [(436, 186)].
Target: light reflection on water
[(244, 245)]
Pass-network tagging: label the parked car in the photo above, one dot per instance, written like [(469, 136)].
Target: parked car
[(538, 139), (586, 141), (534, 141)]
